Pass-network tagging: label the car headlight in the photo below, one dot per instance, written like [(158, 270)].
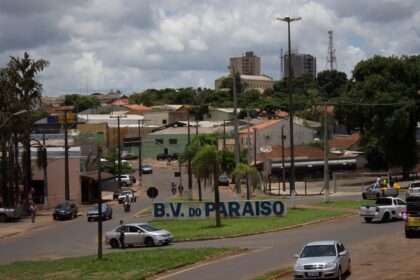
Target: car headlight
[(298, 267), (330, 265)]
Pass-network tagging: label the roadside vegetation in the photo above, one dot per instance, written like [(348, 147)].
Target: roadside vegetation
[(230, 227), (137, 264)]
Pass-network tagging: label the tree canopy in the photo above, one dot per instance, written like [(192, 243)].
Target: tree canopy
[(381, 102)]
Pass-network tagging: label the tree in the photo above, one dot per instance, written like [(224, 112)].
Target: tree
[(22, 73), (386, 112), (206, 165), (332, 83), (243, 171)]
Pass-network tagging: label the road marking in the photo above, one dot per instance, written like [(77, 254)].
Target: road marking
[(212, 262)]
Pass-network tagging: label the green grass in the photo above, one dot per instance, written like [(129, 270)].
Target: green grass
[(350, 204), (204, 229), (125, 265)]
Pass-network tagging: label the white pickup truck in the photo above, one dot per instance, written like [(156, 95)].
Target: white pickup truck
[(385, 209)]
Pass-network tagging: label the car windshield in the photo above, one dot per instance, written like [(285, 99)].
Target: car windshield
[(95, 207), (148, 227), (415, 185), (63, 206), (125, 193), (146, 166), (383, 201), (318, 251)]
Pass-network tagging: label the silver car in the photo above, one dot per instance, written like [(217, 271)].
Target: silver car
[(93, 212), (138, 234), (322, 260), (413, 190)]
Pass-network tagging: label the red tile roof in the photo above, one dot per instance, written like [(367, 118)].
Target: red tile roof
[(343, 141), (136, 107), (260, 126)]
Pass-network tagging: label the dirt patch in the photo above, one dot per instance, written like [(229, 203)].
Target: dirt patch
[(389, 257)]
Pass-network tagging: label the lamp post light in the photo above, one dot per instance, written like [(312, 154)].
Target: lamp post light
[(11, 116), (289, 85)]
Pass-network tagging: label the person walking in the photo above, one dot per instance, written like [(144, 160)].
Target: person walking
[(32, 211), (122, 235), (180, 189)]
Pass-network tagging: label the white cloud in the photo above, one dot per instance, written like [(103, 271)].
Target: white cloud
[(135, 45)]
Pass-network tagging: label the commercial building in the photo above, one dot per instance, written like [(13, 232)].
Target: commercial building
[(302, 64), (248, 64)]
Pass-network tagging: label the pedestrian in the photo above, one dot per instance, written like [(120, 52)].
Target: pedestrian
[(180, 189), (32, 211), (122, 235)]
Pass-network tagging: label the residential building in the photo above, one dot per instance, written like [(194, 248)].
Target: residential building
[(302, 64), (248, 64), (166, 114), (220, 114)]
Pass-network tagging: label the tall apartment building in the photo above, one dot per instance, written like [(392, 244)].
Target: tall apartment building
[(301, 64), (248, 64)]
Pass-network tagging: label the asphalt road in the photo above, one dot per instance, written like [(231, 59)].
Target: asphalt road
[(266, 251)]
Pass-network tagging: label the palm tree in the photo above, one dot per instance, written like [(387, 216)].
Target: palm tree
[(22, 72), (206, 165), (243, 171)]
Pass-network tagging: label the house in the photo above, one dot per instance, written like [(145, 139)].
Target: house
[(166, 114), (220, 114)]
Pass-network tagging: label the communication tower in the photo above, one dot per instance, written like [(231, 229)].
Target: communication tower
[(331, 58)]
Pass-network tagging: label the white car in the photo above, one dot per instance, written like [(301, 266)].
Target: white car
[(138, 234), (413, 190), (322, 260), (124, 194), (126, 180), (384, 209)]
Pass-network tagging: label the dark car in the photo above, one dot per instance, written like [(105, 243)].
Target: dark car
[(223, 180), (93, 212), (172, 156), (65, 210)]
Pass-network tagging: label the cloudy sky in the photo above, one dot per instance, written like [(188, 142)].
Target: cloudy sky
[(132, 45)]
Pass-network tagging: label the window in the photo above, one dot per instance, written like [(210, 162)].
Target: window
[(173, 141), (163, 121), (159, 141)]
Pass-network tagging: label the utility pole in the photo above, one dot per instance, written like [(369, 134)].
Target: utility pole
[(99, 203), (248, 142), (283, 137), (190, 196), (235, 123), (119, 147), (140, 154), (45, 167), (255, 147), (326, 169), (66, 160)]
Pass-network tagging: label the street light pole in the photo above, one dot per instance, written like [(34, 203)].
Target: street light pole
[(66, 160), (289, 85), (140, 154), (326, 150), (119, 148), (235, 125)]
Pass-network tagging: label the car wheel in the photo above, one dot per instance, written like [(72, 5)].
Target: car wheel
[(74, 215), (339, 276), (349, 269), (385, 217), (364, 196), (3, 218), (149, 242), (110, 216), (114, 243), (368, 220), (88, 220)]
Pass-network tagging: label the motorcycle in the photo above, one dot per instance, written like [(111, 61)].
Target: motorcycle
[(127, 207)]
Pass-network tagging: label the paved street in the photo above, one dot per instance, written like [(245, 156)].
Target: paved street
[(54, 239)]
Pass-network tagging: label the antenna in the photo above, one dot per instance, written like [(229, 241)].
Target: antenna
[(331, 58)]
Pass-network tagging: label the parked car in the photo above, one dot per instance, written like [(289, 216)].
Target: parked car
[(124, 162), (411, 216), (65, 210), (131, 195), (413, 190), (7, 214), (322, 259), (385, 209), (138, 234), (93, 212), (146, 169), (223, 180), (376, 191), (126, 180), (163, 156)]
